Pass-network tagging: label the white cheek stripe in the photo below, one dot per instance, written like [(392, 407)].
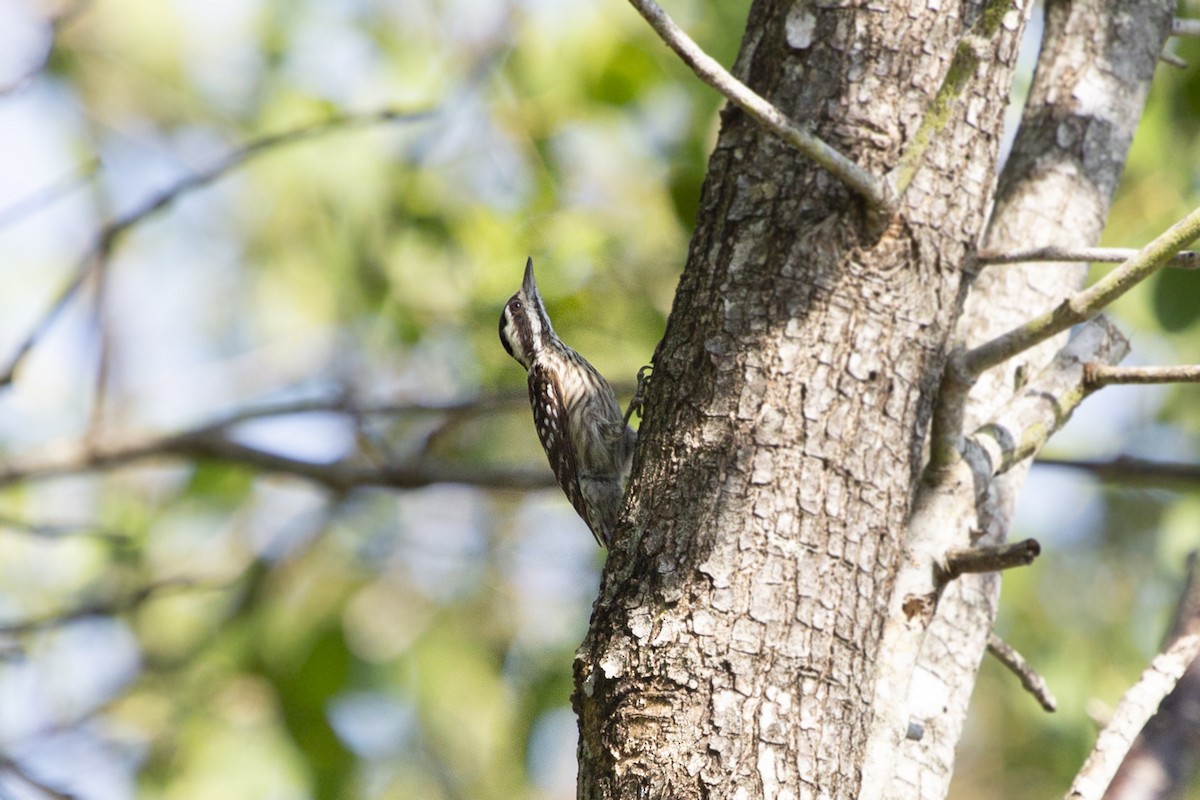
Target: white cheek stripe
[(535, 323)]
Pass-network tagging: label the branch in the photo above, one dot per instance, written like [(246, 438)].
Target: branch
[(9, 765), (1185, 27), (1086, 304), (106, 239), (1032, 682), (1132, 470), (876, 192), (967, 55), (49, 193), (1097, 375), (1185, 259), (1022, 428), (212, 444), (1173, 60), (1131, 715), (993, 558), (1165, 754)]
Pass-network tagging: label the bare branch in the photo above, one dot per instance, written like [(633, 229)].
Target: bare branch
[(1131, 715), (1033, 683), (107, 238), (1086, 304), (1185, 27), (1170, 59), (875, 191), (14, 768), (992, 558), (207, 443), (1098, 375), (48, 194), (1165, 755), (1132, 471), (1185, 259)]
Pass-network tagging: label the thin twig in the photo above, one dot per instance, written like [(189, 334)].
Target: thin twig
[(1185, 259), (1170, 59), (993, 558), (1185, 27), (60, 530), (1163, 758), (1098, 375), (214, 444), (18, 771), (1032, 682), (107, 238), (872, 189), (1130, 716), (216, 440), (1129, 470), (345, 404), (49, 193), (1084, 305)]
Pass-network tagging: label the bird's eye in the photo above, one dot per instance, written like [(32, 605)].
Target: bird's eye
[(516, 305)]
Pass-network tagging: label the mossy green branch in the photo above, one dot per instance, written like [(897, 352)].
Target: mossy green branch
[(1023, 426), (967, 56), (1086, 304), (962, 67)]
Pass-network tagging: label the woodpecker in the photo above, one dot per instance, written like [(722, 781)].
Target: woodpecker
[(587, 441)]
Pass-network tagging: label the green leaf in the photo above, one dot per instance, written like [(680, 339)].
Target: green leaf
[(1177, 298)]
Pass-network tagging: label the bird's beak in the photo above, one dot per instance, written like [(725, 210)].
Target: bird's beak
[(528, 286)]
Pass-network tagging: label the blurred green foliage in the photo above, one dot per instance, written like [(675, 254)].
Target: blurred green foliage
[(418, 644)]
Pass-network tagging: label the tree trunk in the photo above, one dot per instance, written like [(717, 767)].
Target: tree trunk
[(733, 647), (1093, 74)]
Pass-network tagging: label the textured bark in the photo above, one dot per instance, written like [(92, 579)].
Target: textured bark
[(733, 647), (1093, 75)]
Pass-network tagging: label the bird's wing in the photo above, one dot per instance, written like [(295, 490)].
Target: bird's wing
[(549, 416)]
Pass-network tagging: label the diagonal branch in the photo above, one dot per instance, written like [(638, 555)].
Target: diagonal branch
[(1131, 715), (50, 193), (1164, 757), (875, 191), (1086, 304), (105, 607), (112, 231), (1031, 681)]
